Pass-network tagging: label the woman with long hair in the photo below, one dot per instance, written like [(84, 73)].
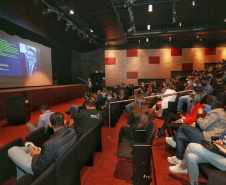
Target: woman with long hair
[(139, 118), (199, 93)]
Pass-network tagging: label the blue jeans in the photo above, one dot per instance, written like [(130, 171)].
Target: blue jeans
[(73, 110), (195, 154), (189, 134), (189, 104), (181, 101), (22, 159), (129, 108)]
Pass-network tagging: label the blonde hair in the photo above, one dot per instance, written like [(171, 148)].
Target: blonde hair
[(142, 111)]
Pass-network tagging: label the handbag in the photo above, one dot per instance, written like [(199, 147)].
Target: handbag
[(213, 148)]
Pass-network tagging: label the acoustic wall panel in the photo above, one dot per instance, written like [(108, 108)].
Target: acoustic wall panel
[(132, 53), (162, 62), (210, 51), (110, 61)]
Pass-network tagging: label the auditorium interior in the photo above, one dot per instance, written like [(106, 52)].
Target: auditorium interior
[(130, 49)]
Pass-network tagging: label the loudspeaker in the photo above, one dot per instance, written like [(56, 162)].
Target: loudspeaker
[(18, 110), (141, 164)]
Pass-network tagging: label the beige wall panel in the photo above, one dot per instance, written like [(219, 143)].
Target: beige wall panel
[(221, 53), (114, 53)]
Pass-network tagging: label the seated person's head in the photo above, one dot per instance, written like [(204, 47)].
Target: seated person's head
[(211, 101), (98, 92), (140, 101), (43, 108), (108, 96), (57, 120), (88, 94), (204, 80), (90, 104)]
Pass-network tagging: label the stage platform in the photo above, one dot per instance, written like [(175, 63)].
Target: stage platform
[(50, 95)]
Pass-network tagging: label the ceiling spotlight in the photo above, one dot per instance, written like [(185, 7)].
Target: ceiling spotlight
[(71, 12), (128, 3), (147, 39), (48, 11), (224, 19), (180, 24), (148, 27), (150, 8), (193, 3), (91, 30), (139, 41), (200, 39), (197, 36), (169, 39)]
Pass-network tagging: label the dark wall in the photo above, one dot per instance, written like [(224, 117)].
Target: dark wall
[(83, 64)]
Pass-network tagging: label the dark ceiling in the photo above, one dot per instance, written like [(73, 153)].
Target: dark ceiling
[(110, 20)]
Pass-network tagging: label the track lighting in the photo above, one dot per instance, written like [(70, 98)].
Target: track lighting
[(48, 11)]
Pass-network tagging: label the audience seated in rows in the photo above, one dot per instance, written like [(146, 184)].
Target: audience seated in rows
[(212, 124)]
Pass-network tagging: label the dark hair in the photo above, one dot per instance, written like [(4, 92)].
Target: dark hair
[(44, 107), (88, 94), (90, 103), (212, 101), (205, 78), (199, 94), (57, 119)]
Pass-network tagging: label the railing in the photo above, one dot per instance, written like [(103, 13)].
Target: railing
[(129, 100)]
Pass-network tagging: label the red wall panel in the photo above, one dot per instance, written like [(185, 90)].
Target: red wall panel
[(132, 53), (132, 75), (210, 51), (110, 61), (176, 51)]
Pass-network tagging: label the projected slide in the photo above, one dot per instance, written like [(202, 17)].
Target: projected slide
[(18, 59)]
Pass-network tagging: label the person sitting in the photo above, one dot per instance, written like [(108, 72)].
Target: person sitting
[(43, 120), (105, 108), (74, 109), (196, 153), (198, 93), (99, 95), (34, 161), (205, 84), (86, 118), (212, 124), (138, 119)]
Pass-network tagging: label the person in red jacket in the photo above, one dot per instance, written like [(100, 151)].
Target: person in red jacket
[(199, 93)]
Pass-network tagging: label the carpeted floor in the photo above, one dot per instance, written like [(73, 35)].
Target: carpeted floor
[(107, 169)]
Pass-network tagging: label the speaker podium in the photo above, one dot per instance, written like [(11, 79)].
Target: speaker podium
[(17, 111)]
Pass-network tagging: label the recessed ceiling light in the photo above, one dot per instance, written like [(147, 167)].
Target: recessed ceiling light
[(180, 24), (169, 39), (71, 12), (91, 30), (147, 39), (193, 3), (139, 41), (148, 27), (197, 36), (150, 8), (224, 19)]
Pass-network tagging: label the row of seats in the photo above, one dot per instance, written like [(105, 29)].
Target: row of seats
[(66, 171)]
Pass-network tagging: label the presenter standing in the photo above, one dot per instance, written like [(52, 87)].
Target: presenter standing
[(89, 85)]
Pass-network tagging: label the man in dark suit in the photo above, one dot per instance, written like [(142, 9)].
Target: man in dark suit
[(89, 85), (34, 161), (29, 62)]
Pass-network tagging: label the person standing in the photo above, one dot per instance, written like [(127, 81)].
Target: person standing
[(89, 85)]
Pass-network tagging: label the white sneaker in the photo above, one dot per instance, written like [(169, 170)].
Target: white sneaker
[(171, 142), (176, 169), (174, 160)]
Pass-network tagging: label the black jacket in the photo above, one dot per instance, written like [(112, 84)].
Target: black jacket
[(53, 149)]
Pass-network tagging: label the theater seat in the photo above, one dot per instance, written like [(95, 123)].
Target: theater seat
[(38, 137), (7, 166), (125, 147)]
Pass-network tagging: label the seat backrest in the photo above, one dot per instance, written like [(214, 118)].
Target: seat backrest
[(67, 168), (172, 107), (27, 179), (96, 138), (7, 166), (38, 137), (47, 177), (85, 148), (151, 129)]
